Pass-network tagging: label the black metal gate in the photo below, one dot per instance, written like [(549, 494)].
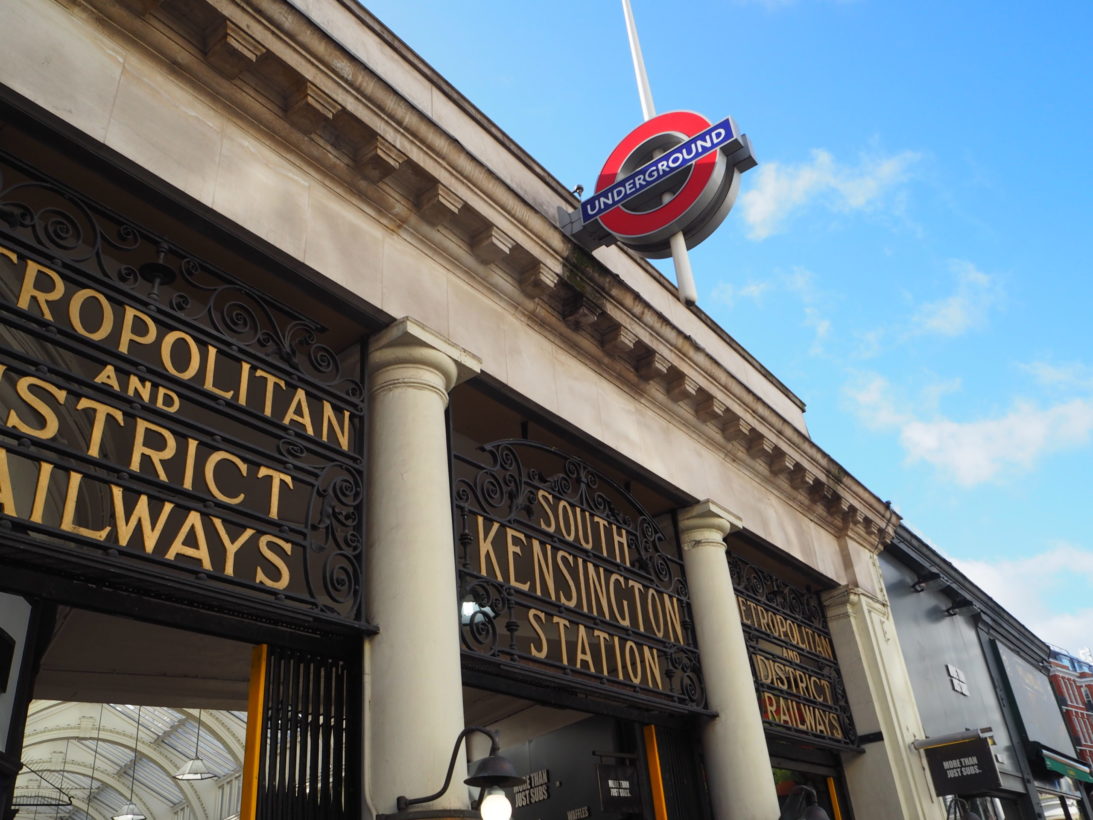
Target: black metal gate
[(685, 790), (309, 765)]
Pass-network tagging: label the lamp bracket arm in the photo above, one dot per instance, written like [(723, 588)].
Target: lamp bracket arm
[(403, 802)]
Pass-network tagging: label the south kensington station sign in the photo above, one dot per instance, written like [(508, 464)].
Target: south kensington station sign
[(564, 578), (674, 173)]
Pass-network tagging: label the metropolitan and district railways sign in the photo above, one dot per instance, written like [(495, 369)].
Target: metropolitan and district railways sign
[(797, 679), (154, 408), (564, 576)]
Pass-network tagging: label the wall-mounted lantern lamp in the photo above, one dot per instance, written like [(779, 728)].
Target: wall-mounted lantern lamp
[(491, 774), (802, 804), (924, 580), (962, 606)]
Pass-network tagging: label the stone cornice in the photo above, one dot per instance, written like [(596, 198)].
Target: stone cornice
[(269, 62)]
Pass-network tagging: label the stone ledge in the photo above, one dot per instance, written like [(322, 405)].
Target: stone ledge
[(320, 103)]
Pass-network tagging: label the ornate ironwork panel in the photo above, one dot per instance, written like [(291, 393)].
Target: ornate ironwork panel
[(160, 419), (797, 678), (565, 579)]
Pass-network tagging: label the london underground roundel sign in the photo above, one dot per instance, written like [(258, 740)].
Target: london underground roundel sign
[(676, 172)]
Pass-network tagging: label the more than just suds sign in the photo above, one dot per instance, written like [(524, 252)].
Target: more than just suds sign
[(963, 767)]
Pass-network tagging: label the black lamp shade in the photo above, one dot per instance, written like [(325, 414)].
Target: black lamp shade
[(494, 771)]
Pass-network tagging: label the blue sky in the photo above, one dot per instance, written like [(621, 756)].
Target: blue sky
[(912, 255)]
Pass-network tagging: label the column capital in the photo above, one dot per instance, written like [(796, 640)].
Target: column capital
[(706, 524), (407, 342), (844, 601)]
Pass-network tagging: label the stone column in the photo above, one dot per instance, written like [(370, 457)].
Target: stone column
[(735, 747), (890, 779), (415, 708)]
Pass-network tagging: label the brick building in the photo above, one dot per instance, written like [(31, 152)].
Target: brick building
[(1072, 679)]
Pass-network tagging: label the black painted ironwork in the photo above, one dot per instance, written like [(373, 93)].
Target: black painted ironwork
[(685, 791), (565, 579), (310, 762), (797, 678), (178, 433)]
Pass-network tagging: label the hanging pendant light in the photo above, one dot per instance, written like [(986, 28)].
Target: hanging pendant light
[(94, 761), (130, 811), (195, 768)]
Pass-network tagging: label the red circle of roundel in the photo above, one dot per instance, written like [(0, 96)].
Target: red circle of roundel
[(627, 223)]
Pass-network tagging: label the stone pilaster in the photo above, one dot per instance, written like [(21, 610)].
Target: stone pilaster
[(415, 709), (735, 747), (890, 779)]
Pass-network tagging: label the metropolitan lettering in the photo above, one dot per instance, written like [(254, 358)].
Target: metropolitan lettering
[(115, 456), (91, 314)]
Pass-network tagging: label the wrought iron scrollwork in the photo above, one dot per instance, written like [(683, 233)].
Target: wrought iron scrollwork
[(292, 523), (335, 545), (72, 229), (792, 657), (586, 584), (482, 604)]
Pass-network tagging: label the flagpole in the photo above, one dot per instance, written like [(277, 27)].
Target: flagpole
[(685, 281), (645, 93)]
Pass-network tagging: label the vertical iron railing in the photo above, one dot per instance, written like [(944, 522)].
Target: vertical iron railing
[(310, 757)]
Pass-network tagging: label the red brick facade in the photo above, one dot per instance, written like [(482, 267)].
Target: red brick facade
[(1072, 679)]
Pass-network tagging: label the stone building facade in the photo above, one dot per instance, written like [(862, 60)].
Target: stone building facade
[(308, 395)]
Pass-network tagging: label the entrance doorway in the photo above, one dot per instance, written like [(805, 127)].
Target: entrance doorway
[(123, 708), (582, 766), (119, 708), (181, 482), (90, 760)]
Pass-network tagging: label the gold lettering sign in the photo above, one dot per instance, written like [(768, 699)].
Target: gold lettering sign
[(793, 661), (155, 408), (42, 292), (571, 579)]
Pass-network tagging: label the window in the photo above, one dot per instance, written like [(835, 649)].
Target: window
[(1060, 807)]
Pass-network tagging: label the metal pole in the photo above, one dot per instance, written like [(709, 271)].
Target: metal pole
[(645, 94), (685, 280)]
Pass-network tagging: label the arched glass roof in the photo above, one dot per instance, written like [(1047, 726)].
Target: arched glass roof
[(82, 761)]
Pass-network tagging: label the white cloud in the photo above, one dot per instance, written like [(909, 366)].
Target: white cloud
[(1029, 588), (799, 283), (731, 295), (1063, 376), (873, 402), (802, 282), (933, 392), (870, 343), (977, 451), (966, 309), (821, 329), (780, 189), (972, 452)]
